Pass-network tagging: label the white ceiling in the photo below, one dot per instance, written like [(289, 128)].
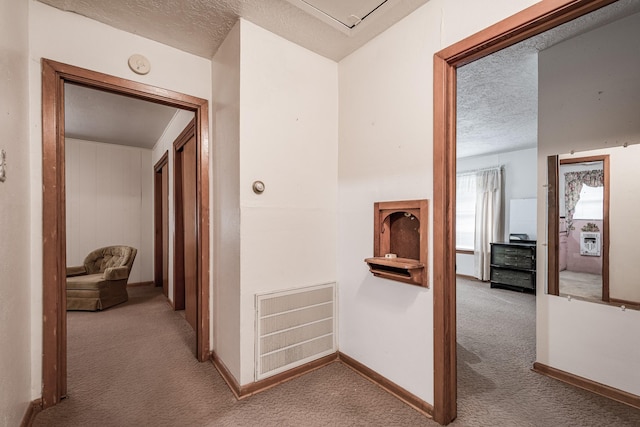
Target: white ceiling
[(95, 115), (332, 28), (498, 95), (200, 26)]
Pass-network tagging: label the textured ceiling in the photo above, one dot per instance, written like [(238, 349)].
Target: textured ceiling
[(497, 97), (200, 26)]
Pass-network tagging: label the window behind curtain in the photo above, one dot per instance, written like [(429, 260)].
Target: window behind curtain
[(590, 204), (465, 210)]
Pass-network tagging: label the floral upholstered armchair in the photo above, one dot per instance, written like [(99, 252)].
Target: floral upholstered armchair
[(101, 281)]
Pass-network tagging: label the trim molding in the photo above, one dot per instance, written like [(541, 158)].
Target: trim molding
[(135, 284), (529, 22), (466, 276), (387, 385), (54, 332), (589, 385), (630, 304), (33, 409), (464, 251), (242, 392)]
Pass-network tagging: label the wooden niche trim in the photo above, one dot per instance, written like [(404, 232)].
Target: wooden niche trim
[(400, 241)]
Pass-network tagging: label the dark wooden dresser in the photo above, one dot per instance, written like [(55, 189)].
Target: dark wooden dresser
[(513, 266)]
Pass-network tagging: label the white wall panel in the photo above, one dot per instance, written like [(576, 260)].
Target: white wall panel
[(109, 202), (385, 153), (588, 100), (15, 247)]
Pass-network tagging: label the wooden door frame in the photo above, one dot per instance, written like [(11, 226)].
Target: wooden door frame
[(553, 215), (179, 297), (54, 329), (527, 23), (158, 215)]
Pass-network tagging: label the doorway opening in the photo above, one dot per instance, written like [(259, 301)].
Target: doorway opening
[(54, 77), (530, 22)]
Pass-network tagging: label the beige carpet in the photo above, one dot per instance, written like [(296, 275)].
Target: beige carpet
[(496, 349), (133, 365)]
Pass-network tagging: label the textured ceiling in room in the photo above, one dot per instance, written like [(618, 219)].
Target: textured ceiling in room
[(200, 26), (498, 94)]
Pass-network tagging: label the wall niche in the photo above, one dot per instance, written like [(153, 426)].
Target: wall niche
[(400, 241)]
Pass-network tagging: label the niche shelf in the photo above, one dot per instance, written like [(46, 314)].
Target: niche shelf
[(400, 241)]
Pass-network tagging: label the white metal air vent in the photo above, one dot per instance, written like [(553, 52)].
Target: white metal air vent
[(294, 327)]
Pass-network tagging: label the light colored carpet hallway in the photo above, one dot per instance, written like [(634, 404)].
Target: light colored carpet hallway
[(133, 365), (496, 350)]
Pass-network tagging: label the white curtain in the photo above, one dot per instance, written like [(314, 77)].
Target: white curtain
[(488, 221)]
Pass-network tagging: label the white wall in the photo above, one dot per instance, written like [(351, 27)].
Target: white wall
[(519, 182), (288, 140), (76, 40), (385, 153), (109, 191), (165, 145), (580, 111), (15, 269), (226, 190)]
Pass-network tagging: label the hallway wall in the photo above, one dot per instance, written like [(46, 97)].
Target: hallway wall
[(15, 242), (79, 41)]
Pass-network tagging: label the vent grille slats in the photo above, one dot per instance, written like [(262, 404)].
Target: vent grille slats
[(294, 327)]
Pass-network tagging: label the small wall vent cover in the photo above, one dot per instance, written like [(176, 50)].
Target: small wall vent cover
[(293, 328)]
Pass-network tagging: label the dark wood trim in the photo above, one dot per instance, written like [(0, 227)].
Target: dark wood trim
[(138, 284), (54, 76), (553, 234), (178, 233), (389, 386), (158, 220), (529, 22), (160, 163), (30, 414), (609, 392), (444, 270), (635, 305), (465, 251), (605, 230), (242, 392), (54, 343), (553, 271), (185, 135)]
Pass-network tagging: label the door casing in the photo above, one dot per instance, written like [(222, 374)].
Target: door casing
[(527, 23), (54, 76)]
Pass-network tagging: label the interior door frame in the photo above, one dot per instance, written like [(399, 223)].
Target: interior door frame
[(54, 76), (527, 23), (179, 290), (159, 221)]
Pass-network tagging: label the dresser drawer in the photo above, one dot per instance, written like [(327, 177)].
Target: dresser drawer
[(521, 279), (513, 256)]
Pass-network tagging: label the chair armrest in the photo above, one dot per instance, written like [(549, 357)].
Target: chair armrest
[(76, 271), (116, 273)]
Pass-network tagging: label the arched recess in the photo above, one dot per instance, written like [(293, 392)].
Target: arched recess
[(54, 76), (528, 23)]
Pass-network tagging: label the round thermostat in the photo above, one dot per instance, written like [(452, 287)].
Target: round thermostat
[(258, 187), (139, 64)]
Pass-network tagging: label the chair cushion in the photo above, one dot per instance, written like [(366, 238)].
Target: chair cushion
[(89, 281)]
